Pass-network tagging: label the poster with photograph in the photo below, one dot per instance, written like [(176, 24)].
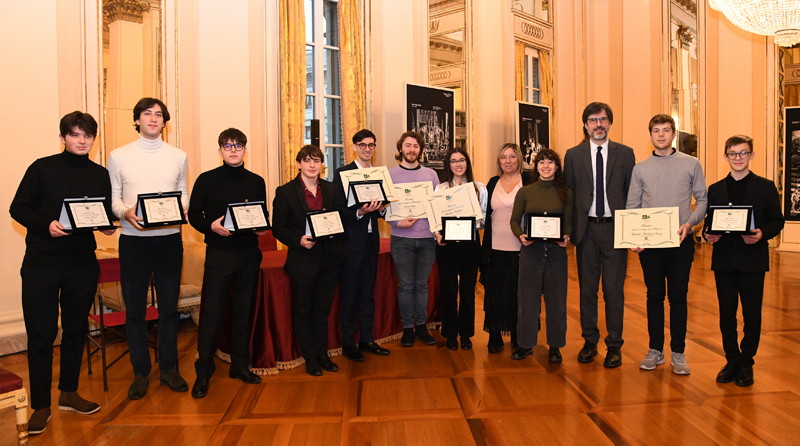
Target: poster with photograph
[(430, 111), (533, 131), (791, 169)]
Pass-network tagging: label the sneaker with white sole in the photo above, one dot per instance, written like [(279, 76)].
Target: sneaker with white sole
[(653, 358), (679, 364)]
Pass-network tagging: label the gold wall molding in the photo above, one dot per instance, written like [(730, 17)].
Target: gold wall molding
[(125, 10), (533, 31)]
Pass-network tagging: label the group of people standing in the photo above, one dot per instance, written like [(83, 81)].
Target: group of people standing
[(597, 178)]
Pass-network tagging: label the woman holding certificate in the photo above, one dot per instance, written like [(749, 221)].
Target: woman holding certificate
[(312, 266), (546, 208), (500, 264), (459, 260)]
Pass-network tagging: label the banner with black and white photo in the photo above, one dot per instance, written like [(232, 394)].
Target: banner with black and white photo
[(533, 131), (791, 164), (430, 111)]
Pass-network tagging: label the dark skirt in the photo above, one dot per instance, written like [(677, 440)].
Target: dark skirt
[(500, 280)]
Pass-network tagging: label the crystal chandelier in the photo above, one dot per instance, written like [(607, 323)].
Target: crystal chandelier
[(779, 18)]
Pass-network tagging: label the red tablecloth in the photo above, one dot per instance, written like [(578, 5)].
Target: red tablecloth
[(273, 345)]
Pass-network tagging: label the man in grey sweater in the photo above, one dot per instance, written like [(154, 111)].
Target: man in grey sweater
[(668, 178)]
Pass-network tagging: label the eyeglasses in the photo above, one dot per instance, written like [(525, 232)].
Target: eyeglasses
[(234, 147), (365, 146), (734, 155), (597, 120), (459, 161)]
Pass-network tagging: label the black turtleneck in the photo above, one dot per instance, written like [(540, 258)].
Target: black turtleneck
[(213, 192), (47, 182)]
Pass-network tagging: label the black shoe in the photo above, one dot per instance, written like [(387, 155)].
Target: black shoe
[(466, 343), (245, 375), (613, 358), (174, 380), (138, 388), (313, 369), (554, 355), (727, 373), (351, 352), (328, 365), (495, 343), (521, 353), (452, 343), (744, 377), (408, 337), (421, 332), (587, 353), (200, 388), (374, 348)]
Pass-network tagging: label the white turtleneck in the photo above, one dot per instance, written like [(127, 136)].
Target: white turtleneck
[(141, 167)]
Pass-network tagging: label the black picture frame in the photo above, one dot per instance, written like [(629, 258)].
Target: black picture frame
[(529, 229), (67, 218), (791, 164), (446, 238), (713, 210), (358, 201), (430, 111), (532, 132), (172, 196), (311, 229), (234, 222)]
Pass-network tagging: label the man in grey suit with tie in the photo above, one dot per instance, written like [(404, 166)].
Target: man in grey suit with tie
[(599, 172)]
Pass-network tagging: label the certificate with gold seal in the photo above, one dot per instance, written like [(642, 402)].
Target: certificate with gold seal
[(646, 228)]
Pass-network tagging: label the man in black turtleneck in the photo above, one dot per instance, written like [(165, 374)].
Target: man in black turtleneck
[(232, 259), (59, 267)]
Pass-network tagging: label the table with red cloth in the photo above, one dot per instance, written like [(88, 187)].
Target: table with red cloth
[(273, 345)]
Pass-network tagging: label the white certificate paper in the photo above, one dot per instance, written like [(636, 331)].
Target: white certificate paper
[(89, 215), (325, 223), (250, 216), (458, 230), (725, 219), (369, 174), (411, 201), (369, 192), (646, 228), (460, 201), (159, 210), (545, 227)]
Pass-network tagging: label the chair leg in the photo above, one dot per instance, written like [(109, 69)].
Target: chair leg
[(103, 351), (21, 410), (89, 354)]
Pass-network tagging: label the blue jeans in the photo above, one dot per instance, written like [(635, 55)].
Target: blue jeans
[(413, 260), (139, 258)]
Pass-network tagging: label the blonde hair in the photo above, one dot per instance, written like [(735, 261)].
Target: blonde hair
[(517, 152)]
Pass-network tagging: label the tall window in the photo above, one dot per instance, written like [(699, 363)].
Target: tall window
[(531, 75), (323, 100)]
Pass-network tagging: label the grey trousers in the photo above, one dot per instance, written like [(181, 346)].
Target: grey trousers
[(542, 271)]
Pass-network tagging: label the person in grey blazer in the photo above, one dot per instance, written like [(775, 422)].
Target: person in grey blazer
[(599, 179)]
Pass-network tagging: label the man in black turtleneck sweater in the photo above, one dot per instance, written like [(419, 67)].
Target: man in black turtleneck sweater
[(59, 267), (232, 259)]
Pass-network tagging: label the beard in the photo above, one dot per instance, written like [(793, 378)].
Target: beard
[(410, 157)]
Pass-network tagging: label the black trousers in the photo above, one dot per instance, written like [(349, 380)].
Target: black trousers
[(228, 274), (356, 285), (731, 285), (311, 304), (542, 272), (666, 272), (43, 290), (458, 271)]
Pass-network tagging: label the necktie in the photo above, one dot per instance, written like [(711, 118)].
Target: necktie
[(599, 198)]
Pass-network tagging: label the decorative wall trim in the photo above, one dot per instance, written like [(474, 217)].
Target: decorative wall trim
[(533, 31)]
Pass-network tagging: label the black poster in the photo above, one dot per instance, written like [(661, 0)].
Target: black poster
[(791, 189), (533, 131), (430, 111)]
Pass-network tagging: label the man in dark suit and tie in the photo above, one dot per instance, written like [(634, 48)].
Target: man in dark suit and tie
[(739, 262), (360, 269), (599, 172)]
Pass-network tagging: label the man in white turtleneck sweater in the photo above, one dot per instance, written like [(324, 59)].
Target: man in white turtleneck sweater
[(149, 165)]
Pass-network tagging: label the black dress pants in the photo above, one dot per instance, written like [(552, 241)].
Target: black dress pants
[(43, 290), (356, 285), (458, 271), (234, 274), (311, 304), (731, 285)]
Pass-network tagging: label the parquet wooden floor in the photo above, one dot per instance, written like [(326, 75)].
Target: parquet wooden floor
[(429, 395)]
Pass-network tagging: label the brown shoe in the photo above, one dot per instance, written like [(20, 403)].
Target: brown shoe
[(73, 402), (38, 422)]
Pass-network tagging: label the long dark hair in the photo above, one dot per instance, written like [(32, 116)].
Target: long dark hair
[(448, 173), (560, 181)]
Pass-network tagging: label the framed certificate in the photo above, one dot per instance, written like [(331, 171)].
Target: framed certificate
[(460, 201), (85, 215), (368, 174), (246, 217), (411, 201), (543, 226), (646, 228), (362, 192), (459, 229), (324, 225), (731, 220), (160, 209)]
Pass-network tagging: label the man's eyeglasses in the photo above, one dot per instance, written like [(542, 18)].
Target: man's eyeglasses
[(597, 120), (365, 146), (734, 155), (234, 147)]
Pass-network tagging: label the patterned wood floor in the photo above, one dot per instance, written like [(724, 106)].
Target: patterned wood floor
[(428, 395)]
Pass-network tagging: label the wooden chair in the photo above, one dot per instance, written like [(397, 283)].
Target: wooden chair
[(12, 393), (111, 322)]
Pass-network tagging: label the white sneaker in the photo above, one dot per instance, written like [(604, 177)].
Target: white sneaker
[(653, 358), (679, 364)]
